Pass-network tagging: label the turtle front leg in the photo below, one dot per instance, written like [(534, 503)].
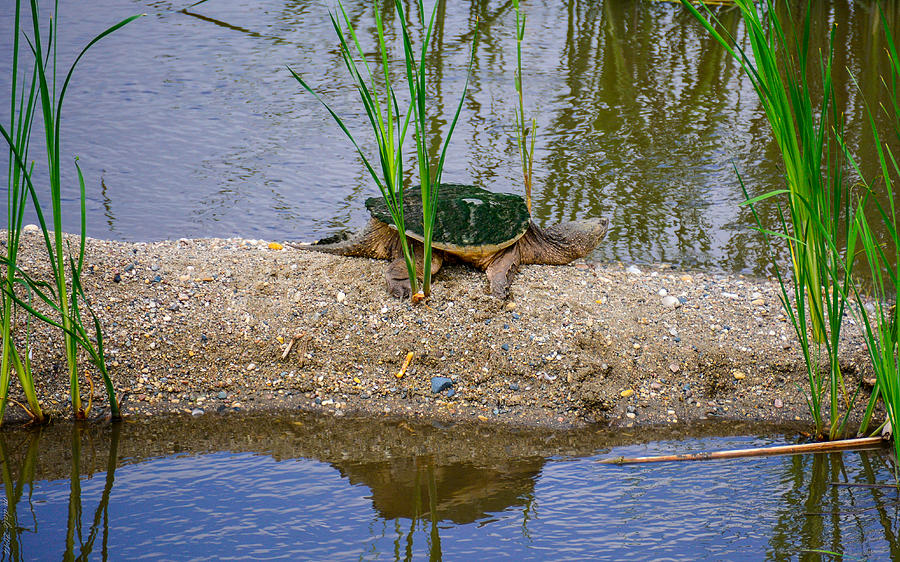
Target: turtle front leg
[(397, 275), (501, 271)]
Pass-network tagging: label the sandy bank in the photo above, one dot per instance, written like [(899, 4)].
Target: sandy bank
[(203, 325)]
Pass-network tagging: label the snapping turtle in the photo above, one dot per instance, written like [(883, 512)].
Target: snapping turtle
[(492, 231)]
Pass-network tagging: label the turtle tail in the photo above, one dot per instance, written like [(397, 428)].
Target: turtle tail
[(375, 240)]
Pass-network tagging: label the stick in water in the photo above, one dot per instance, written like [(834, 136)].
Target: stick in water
[(825, 447)]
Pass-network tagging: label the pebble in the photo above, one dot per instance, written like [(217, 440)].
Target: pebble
[(663, 292), (197, 412), (117, 278), (31, 228), (779, 403), (655, 386), (632, 270), (439, 384), (674, 367), (626, 393), (451, 392), (505, 347), (514, 386), (341, 297), (739, 375), (671, 302), (222, 395), (630, 415)]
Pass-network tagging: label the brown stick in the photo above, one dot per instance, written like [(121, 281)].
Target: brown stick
[(290, 345), (827, 446)]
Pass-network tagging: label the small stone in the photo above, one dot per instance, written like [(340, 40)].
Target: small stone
[(686, 278), (510, 306), (514, 386), (674, 367), (341, 297), (758, 302), (439, 384), (728, 295), (31, 228), (156, 279), (779, 403), (671, 302), (670, 412), (632, 270), (275, 246), (197, 412), (630, 415), (655, 386), (739, 375), (222, 395), (626, 393), (663, 292), (451, 392), (117, 278), (154, 267), (505, 347), (129, 267)]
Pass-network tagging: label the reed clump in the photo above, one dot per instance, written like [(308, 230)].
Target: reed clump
[(390, 125), (815, 212), (64, 296)]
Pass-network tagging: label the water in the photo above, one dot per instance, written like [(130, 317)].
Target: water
[(188, 124), (303, 487)]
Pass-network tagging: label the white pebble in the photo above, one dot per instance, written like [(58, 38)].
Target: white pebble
[(671, 302), (341, 297)]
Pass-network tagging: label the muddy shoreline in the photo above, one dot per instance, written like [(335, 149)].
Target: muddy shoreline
[(203, 327)]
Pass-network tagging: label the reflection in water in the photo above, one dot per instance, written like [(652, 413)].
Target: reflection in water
[(374, 491), (19, 475), (198, 129)]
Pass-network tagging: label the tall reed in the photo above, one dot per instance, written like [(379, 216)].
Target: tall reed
[(525, 131), (819, 213), (65, 296), (883, 256), (389, 126), (21, 117)]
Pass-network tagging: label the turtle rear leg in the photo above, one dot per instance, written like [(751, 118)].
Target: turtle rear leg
[(501, 271), (397, 275)]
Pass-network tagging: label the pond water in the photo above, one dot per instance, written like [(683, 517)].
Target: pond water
[(304, 487), (188, 124)]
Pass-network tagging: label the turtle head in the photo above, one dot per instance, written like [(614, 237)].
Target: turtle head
[(567, 241)]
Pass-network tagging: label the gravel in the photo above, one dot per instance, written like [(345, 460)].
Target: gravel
[(190, 322)]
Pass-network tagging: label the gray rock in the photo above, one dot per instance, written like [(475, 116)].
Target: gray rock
[(439, 384), (197, 412), (222, 395)]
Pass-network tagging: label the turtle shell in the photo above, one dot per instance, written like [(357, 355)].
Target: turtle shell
[(469, 221)]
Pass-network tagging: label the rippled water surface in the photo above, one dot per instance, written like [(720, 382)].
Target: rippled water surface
[(311, 488), (187, 122)]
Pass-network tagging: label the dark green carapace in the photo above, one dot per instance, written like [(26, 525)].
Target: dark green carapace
[(467, 216)]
